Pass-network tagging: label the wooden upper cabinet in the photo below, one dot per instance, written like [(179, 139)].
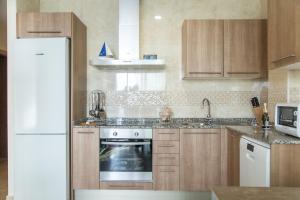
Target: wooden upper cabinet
[(30, 25), (200, 159), (202, 48), (245, 48), (283, 32), (85, 158)]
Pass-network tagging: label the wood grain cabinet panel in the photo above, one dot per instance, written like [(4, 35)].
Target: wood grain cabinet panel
[(126, 186), (245, 48), (166, 134), (200, 159), (283, 32), (31, 25), (202, 48), (166, 147), (285, 165), (166, 178), (86, 158), (233, 149), (166, 159)]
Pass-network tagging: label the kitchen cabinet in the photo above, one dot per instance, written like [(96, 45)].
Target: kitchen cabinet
[(283, 32), (202, 48), (224, 49), (285, 165), (85, 158), (166, 178), (233, 156), (245, 48), (166, 159), (200, 159), (31, 25)]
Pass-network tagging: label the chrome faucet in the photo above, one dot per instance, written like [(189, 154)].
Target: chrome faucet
[(208, 117)]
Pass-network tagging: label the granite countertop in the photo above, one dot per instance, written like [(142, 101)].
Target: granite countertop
[(239, 125), (270, 136), (244, 193), (156, 123)]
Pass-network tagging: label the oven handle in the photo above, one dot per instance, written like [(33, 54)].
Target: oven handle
[(127, 143)]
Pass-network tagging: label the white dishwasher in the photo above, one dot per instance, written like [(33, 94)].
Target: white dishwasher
[(254, 163)]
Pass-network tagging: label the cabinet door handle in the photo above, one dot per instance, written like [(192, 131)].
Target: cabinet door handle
[(57, 32), (170, 158), (122, 186), (82, 132), (205, 73), (201, 133), (166, 133), (167, 171), (166, 145), (243, 73), (286, 57)]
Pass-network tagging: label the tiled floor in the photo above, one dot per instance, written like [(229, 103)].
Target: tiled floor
[(3, 179)]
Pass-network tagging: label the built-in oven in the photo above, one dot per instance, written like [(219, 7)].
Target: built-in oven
[(126, 155)]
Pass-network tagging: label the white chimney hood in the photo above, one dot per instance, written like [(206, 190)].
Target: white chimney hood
[(127, 50)]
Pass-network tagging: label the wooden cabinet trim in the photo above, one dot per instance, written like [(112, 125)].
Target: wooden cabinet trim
[(126, 185)]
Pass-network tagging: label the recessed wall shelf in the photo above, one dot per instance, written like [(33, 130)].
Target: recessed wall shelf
[(123, 64)]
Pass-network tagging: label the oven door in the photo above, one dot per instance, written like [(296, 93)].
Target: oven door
[(126, 160)]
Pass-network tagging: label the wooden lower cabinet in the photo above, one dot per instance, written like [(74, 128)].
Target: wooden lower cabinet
[(166, 178), (85, 158), (233, 156), (200, 159), (285, 165), (126, 186)]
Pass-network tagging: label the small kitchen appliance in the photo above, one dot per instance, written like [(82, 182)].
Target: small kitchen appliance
[(286, 118)]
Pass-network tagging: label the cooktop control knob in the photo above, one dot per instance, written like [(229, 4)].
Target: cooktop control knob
[(115, 133), (136, 134)]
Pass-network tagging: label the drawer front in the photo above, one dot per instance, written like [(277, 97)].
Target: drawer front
[(85, 130), (166, 178), (125, 186), (165, 147), (166, 159), (166, 134), (31, 25)]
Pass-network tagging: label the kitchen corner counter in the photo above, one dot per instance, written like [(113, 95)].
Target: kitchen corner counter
[(270, 136), (244, 193)]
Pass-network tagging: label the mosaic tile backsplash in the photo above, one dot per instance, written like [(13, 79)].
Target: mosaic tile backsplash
[(228, 104)]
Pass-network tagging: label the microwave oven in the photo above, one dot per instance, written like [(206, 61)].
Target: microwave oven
[(286, 118)]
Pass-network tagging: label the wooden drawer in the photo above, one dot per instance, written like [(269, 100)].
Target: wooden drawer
[(165, 147), (85, 130), (166, 178), (166, 159), (125, 186), (166, 134), (30, 25)]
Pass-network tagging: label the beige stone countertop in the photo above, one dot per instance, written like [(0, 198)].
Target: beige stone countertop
[(244, 193)]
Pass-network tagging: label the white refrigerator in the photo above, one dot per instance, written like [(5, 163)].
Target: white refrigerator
[(41, 119)]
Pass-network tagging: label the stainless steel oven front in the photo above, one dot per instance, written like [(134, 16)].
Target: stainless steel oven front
[(126, 154)]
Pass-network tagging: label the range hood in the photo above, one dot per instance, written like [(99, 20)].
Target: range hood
[(127, 50)]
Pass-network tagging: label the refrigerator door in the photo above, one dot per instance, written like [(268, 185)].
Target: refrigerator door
[(41, 167), (41, 82)]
